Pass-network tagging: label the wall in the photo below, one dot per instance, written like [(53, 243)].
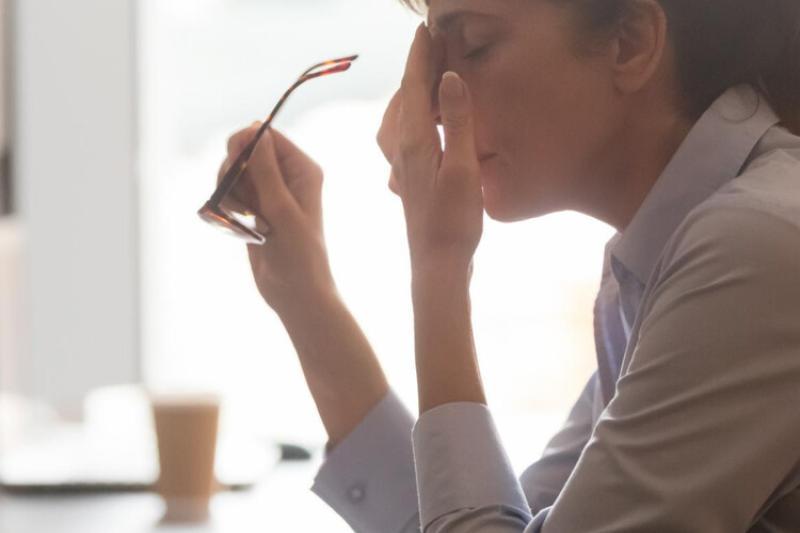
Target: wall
[(75, 169)]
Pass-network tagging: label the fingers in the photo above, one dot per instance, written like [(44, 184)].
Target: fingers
[(273, 198), (302, 175), (418, 127), (240, 199), (239, 140), (236, 144), (394, 185), (261, 190), (388, 132), (294, 162), (457, 122)]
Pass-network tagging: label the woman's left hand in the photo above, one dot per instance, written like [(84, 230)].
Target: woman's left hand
[(440, 190)]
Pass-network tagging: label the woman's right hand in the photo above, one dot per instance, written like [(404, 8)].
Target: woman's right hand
[(283, 186), (292, 273)]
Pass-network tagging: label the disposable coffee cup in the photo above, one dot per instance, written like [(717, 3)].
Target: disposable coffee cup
[(186, 430)]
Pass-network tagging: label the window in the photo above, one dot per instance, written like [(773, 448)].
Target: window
[(211, 67)]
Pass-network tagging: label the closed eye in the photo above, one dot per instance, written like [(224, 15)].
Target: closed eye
[(477, 52)]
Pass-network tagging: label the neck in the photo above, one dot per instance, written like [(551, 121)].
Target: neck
[(630, 164)]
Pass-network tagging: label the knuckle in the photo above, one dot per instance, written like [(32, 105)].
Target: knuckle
[(408, 146), (231, 144), (264, 152), (235, 142), (317, 174), (385, 139), (405, 83), (456, 121), (223, 168), (280, 208), (265, 140), (380, 137), (393, 185)]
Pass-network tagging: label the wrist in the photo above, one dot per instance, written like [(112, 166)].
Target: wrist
[(439, 292), (301, 304), (441, 273)]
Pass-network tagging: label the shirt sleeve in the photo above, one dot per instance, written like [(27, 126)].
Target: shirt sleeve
[(375, 461), (464, 478), (702, 434), (368, 477)]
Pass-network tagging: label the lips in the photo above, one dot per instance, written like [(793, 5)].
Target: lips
[(483, 158)]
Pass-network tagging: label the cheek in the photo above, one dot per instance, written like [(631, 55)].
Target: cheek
[(545, 118), (543, 121)]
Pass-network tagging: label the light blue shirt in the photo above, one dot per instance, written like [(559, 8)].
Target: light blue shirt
[(691, 422)]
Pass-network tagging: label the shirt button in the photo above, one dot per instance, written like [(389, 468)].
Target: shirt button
[(356, 493)]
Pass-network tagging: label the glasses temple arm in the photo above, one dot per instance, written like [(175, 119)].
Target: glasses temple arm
[(236, 168), (330, 62)]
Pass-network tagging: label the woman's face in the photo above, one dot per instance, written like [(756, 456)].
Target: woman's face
[(541, 113)]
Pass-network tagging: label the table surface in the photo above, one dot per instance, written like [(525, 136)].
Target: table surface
[(281, 502)]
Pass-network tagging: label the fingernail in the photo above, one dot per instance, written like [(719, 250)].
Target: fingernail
[(452, 84)]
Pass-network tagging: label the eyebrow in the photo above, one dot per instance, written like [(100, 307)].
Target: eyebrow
[(444, 22)]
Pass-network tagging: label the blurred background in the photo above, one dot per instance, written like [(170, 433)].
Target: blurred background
[(114, 115)]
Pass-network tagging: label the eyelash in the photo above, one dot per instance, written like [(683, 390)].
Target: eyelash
[(477, 52)]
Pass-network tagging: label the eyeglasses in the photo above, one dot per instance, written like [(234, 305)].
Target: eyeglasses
[(230, 216)]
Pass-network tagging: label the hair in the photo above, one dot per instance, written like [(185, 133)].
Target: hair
[(718, 44)]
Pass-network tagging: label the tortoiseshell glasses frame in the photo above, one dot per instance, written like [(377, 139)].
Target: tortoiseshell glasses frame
[(241, 223)]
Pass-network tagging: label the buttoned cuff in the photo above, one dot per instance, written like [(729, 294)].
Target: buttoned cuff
[(368, 478), (460, 462)]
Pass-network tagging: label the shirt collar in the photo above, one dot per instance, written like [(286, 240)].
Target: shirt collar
[(714, 152)]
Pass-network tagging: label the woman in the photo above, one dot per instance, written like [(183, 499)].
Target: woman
[(675, 121)]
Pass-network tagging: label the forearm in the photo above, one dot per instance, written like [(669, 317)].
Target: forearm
[(447, 366), (340, 367)]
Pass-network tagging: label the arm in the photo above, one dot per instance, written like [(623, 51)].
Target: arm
[(369, 478), (702, 433), (292, 273), (447, 366), (443, 204), (464, 479), (339, 365)]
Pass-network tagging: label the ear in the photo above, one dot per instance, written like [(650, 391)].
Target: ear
[(639, 45)]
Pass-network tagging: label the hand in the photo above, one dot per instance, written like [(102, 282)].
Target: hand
[(283, 187), (441, 191)]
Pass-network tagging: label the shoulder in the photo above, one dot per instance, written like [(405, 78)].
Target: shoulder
[(752, 220), (726, 284), (732, 257), (725, 238), (769, 181)]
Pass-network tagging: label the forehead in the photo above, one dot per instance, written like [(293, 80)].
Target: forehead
[(443, 13)]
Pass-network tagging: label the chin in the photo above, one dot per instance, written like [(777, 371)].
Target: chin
[(500, 207), (509, 205)]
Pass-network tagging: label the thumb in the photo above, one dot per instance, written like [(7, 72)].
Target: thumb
[(455, 106), (264, 172)]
